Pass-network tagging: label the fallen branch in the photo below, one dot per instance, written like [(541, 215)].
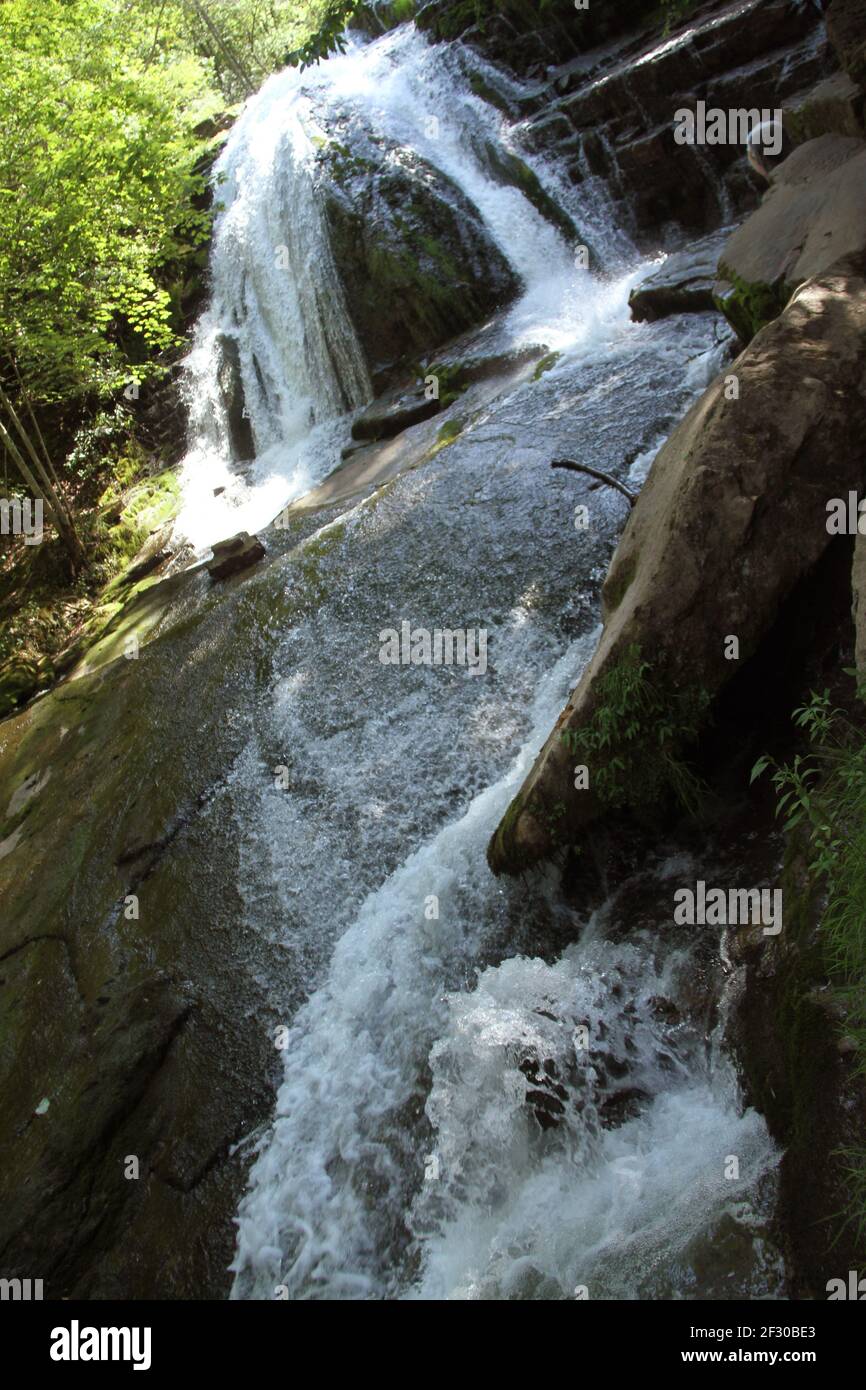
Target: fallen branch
[(596, 473)]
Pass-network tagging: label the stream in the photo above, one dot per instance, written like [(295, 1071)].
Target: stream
[(487, 1092)]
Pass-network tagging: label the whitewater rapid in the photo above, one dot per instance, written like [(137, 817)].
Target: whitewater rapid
[(275, 288), (445, 1016)]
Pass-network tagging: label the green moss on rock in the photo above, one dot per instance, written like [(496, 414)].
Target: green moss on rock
[(545, 365), (748, 307)]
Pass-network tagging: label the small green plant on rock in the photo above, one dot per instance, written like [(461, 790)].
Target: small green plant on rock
[(822, 794), (808, 788), (634, 740)]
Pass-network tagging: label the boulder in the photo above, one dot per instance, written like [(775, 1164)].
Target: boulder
[(417, 264), (683, 285), (733, 515), (395, 412), (236, 554), (813, 215)]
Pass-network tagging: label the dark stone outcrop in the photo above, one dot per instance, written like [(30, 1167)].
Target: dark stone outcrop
[(788, 1037), (231, 556), (395, 412), (610, 113), (417, 264), (846, 30), (527, 39), (231, 388), (684, 284)]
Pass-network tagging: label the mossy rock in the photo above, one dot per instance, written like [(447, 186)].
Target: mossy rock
[(748, 307), (508, 169), (19, 678), (545, 365), (416, 261), (785, 1037)]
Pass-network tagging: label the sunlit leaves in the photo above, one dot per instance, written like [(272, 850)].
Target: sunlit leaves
[(95, 189)]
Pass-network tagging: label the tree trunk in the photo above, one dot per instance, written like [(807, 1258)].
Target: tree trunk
[(230, 56), (56, 511)]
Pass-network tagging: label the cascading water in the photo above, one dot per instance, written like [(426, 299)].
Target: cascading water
[(277, 304), (276, 292), (444, 1129)]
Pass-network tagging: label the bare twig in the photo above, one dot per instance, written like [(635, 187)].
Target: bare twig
[(596, 473)]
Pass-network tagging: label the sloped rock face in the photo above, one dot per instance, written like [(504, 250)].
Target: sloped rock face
[(130, 1028), (814, 214), (417, 263), (732, 516), (611, 112)]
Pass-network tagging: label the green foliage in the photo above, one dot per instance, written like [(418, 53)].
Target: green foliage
[(104, 436), (824, 789), (241, 42), (633, 743), (101, 187), (822, 794), (449, 21), (545, 365), (96, 194), (326, 37)]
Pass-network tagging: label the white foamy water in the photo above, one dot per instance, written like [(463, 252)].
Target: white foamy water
[(276, 292), (585, 1208), (440, 1131), (328, 1189)]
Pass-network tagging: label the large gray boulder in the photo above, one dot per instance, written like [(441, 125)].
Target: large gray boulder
[(813, 215), (733, 514)]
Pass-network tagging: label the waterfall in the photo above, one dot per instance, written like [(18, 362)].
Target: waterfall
[(275, 290), (441, 1131), (277, 300)]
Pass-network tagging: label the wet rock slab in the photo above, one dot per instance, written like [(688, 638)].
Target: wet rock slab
[(395, 412), (684, 284)]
